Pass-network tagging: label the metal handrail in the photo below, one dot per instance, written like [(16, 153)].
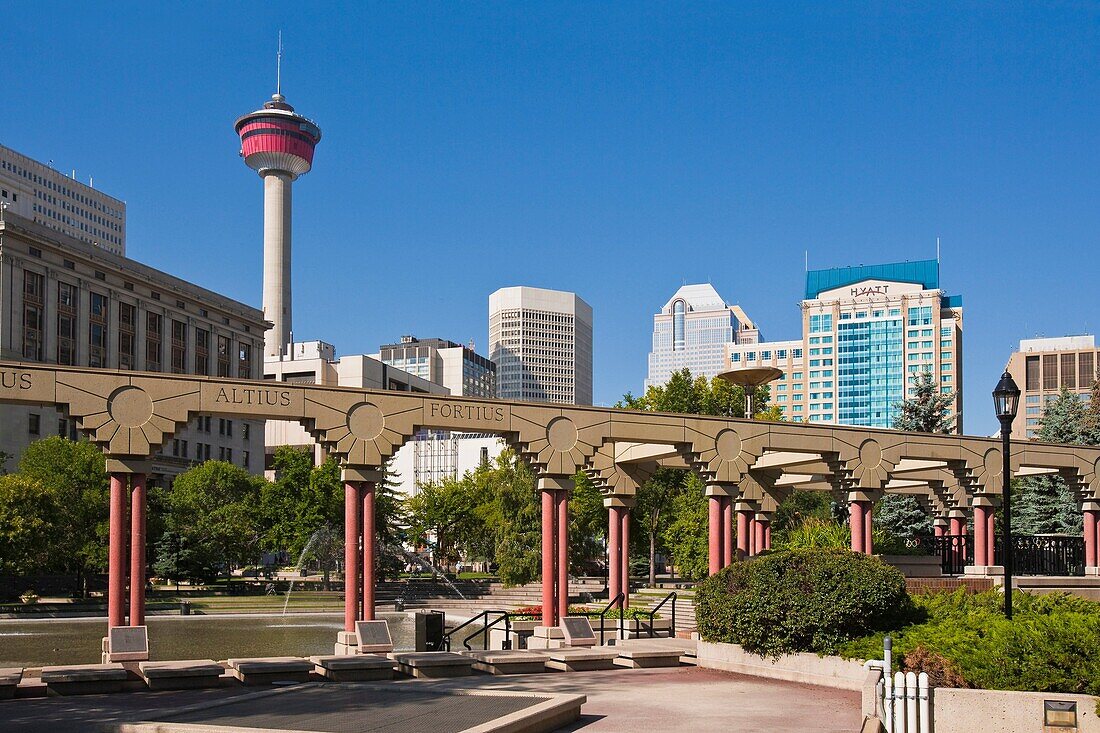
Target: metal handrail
[(617, 600), (504, 616), (652, 612), (447, 635)]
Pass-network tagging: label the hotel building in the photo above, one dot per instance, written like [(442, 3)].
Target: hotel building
[(867, 333), (541, 343), (40, 194), (692, 332), (1043, 367), (66, 301)]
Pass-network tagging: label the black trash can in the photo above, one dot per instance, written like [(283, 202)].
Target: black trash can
[(429, 631), (185, 608)]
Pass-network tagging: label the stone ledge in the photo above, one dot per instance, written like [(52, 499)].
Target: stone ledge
[(808, 668), (84, 679)]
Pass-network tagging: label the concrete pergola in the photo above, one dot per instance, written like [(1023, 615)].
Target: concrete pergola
[(748, 466)]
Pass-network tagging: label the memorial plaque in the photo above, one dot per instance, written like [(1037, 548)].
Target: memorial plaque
[(374, 637), (128, 643), (578, 631)]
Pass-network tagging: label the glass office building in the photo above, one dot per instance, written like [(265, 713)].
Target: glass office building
[(868, 334)]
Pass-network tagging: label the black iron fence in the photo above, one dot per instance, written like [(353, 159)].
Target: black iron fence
[(1032, 555)]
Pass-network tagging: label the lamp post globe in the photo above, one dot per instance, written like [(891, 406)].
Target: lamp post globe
[(1006, 402)]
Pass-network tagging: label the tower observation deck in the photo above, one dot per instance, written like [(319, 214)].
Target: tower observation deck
[(278, 144)]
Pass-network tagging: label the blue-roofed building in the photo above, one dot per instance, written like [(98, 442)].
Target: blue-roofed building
[(868, 332)]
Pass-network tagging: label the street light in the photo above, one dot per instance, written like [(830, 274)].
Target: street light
[(749, 379), (1006, 400)]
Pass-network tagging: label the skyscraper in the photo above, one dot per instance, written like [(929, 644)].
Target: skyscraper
[(868, 332), (541, 342), (458, 368), (692, 331)]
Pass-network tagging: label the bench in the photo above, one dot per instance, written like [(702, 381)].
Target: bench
[(581, 660), (266, 670), (508, 661), (84, 679), (646, 658), (353, 668), (432, 664), (181, 674), (9, 680)]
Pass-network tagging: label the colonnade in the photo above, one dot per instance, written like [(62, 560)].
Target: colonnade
[(126, 581), (359, 545)]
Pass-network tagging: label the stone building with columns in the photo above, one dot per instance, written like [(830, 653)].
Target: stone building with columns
[(66, 301)]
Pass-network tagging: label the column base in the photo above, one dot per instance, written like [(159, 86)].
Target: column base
[(546, 637), (986, 571), (1092, 571), (347, 643)]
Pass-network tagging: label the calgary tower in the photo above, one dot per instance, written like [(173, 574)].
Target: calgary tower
[(278, 144)]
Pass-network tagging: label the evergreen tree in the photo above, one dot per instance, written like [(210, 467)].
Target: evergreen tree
[(927, 411), (1045, 504)]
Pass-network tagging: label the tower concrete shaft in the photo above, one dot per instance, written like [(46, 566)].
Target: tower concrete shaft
[(277, 295)]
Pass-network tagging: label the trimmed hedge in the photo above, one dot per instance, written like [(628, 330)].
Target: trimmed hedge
[(1051, 645), (800, 601)]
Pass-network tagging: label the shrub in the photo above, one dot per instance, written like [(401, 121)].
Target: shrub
[(800, 601), (1051, 645)]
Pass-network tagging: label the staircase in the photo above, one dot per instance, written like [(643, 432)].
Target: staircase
[(685, 605), (479, 594)]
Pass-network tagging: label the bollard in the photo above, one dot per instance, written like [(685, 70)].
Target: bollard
[(910, 702), (924, 697), (899, 702)]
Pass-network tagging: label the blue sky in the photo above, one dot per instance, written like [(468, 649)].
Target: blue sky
[(617, 150)]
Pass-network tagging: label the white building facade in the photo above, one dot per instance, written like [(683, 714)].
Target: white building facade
[(459, 368), (541, 343), (37, 192), (692, 331)]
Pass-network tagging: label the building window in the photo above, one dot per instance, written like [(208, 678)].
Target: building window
[(202, 351), (34, 424), (97, 330), (126, 320), (679, 309), (153, 335), (179, 347), (244, 361), (1069, 371), (66, 324), (1050, 371), (1086, 373), (246, 430), (34, 286), (223, 356), (1031, 373)]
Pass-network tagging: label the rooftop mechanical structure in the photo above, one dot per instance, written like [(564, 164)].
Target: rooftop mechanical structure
[(278, 144)]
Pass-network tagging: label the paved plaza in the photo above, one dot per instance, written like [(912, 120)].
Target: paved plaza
[(686, 698)]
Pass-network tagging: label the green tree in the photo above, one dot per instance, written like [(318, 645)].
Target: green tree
[(1044, 504), (928, 410), (445, 512), (212, 511), (28, 516), (75, 474), (686, 534)]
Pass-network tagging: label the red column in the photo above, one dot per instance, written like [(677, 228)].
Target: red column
[(759, 537), (937, 530), (1090, 537), (754, 546), (368, 550), (614, 556), (116, 554), (980, 544), (351, 554), (137, 549), (990, 536), (743, 528), (714, 526), (768, 536), (957, 528), (563, 554), (549, 533), (727, 530), (868, 528), (624, 537), (855, 521)]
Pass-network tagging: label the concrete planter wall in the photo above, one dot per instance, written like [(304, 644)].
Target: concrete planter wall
[(997, 711), (808, 668), (915, 566)]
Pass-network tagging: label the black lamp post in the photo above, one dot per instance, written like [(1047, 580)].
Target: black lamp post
[(1006, 400)]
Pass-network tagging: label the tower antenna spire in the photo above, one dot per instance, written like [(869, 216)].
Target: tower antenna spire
[(279, 67)]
